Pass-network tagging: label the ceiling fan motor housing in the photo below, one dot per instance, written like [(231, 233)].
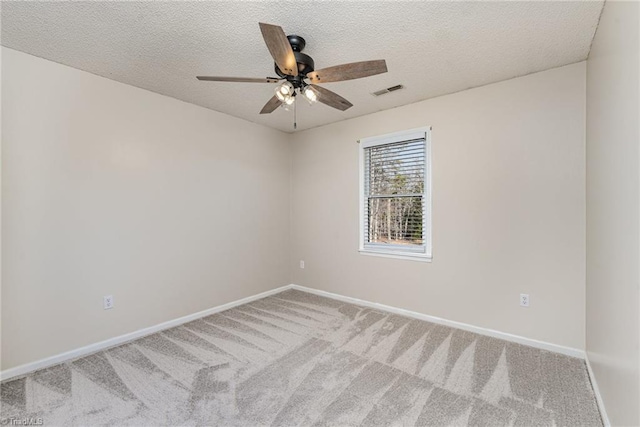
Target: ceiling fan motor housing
[(304, 61)]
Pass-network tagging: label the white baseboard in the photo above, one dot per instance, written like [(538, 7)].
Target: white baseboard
[(596, 391), (102, 345), (93, 348), (569, 351)]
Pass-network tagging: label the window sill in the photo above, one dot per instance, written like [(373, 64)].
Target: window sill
[(397, 255)]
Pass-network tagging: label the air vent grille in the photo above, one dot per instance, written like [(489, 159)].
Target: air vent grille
[(387, 90)]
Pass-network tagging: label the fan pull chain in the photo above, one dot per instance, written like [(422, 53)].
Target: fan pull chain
[(295, 116)]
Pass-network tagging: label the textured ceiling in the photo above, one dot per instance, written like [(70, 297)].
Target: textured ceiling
[(432, 48)]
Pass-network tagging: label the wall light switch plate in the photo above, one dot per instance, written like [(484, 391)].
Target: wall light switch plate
[(524, 300), (301, 264)]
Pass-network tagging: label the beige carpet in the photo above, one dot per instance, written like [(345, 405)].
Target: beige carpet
[(299, 359)]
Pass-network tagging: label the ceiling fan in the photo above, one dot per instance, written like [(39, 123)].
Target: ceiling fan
[(294, 68)]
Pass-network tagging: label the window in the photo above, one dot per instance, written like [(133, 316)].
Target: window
[(395, 195)]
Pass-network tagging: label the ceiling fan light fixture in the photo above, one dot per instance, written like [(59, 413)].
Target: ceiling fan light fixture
[(288, 105), (310, 95), (284, 91)]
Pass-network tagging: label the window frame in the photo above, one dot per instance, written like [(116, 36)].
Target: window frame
[(390, 250)]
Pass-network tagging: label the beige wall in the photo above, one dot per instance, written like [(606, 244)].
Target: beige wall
[(508, 208), (613, 211), (110, 189)]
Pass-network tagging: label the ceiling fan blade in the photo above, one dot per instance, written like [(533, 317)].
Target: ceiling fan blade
[(332, 99), (237, 79), (271, 105), (354, 70), (280, 49)]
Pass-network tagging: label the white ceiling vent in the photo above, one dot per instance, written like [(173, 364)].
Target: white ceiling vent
[(387, 90)]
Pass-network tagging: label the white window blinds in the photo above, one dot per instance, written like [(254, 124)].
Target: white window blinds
[(395, 199)]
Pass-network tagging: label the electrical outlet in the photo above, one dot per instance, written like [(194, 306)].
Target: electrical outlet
[(301, 264), (524, 300), (108, 302)]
